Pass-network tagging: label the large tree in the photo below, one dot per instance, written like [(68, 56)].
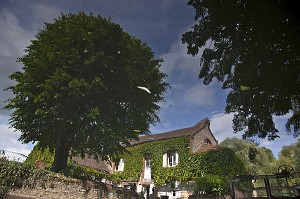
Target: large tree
[(78, 91), (253, 47)]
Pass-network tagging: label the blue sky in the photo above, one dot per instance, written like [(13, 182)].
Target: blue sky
[(160, 24)]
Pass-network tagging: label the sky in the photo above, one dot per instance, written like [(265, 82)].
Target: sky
[(160, 24)]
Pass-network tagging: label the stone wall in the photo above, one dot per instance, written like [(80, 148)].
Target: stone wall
[(57, 186), (60, 187)]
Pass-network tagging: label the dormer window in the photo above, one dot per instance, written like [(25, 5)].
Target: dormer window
[(207, 141), (119, 165), (170, 159)]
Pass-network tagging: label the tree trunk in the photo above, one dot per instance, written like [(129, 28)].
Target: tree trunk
[(62, 149)]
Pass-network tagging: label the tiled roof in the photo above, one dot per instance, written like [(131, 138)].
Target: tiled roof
[(103, 166), (92, 163), (172, 134)]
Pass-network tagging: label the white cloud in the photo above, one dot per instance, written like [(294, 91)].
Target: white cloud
[(200, 95), (178, 60), (285, 137), (44, 13), (182, 70), (221, 126), (9, 140), (13, 38)]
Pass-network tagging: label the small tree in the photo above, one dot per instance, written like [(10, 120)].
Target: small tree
[(77, 93), (257, 160), (290, 156)]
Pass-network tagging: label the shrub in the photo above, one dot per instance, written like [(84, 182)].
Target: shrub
[(15, 174), (46, 157), (212, 184)]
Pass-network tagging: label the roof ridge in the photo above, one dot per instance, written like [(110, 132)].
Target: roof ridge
[(205, 121), (188, 131)]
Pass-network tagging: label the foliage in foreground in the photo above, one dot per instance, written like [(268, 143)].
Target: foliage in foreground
[(15, 174), (252, 47)]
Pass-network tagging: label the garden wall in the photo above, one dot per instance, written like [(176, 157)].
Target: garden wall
[(60, 187), (57, 186)]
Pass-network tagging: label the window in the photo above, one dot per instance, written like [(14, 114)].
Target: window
[(147, 170), (147, 162), (207, 141), (170, 159)]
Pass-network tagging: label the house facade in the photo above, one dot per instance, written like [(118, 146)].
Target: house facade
[(159, 163)]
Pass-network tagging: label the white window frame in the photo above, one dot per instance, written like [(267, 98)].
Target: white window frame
[(147, 163), (170, 159)]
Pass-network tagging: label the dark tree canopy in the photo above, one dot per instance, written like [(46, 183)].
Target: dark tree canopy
[(255, 51), (78, 91)]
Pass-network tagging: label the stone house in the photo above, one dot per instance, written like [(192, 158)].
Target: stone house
[(200, 139)]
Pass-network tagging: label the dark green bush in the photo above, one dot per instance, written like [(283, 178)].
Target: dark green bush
[(212, 184), (15, 174)]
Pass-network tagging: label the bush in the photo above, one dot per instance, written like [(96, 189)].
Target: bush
[(15, 174), (46, 157), (212, 184)]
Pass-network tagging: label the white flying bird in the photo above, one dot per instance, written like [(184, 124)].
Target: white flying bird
[(144, 88)]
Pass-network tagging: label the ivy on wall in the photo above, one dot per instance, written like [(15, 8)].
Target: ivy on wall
[(222, 162), (192, 166)]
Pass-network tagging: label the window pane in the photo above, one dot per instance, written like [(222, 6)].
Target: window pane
[(148, 163)]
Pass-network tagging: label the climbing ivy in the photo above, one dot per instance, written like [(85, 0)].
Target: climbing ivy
[(222, 162), (192, 166)]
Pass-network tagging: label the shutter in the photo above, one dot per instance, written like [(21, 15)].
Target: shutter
[(165, 160), (177, 158), (121, 165)]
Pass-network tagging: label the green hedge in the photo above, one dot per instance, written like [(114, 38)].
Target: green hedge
[(15, 174)]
